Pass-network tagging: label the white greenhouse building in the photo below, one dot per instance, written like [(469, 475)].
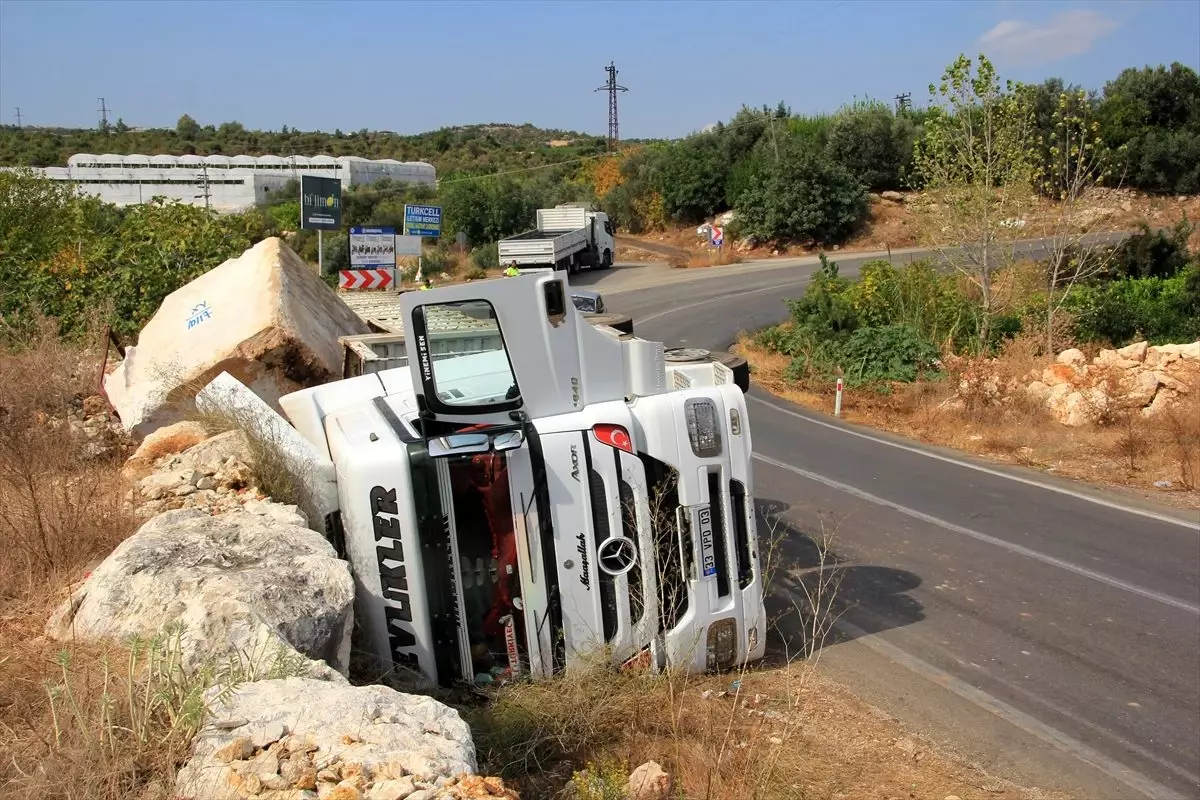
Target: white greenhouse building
[(225, 183)]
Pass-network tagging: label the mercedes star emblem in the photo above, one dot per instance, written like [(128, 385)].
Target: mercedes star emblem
[(617, 555)]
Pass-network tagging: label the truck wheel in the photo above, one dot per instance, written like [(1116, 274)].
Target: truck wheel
[(606, 260), (737, 364)]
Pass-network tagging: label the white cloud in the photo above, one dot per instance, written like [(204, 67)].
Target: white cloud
[(1069, 33)]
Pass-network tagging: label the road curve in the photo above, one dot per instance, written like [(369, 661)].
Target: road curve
[(1047, 630)]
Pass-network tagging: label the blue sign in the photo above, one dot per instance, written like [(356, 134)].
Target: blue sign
[(423, 220), (372, 248)]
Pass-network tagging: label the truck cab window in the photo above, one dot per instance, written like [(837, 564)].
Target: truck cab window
[(470, 361)]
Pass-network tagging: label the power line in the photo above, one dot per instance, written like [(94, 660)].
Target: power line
[(612, 87), (903, 101), (103, 110)]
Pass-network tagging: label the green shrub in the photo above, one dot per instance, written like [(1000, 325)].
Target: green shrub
[(872, 142), (917, 295), (870, 355), (1161, 310), (825, 310), (486, 257), (802, 195), (1152, 254)]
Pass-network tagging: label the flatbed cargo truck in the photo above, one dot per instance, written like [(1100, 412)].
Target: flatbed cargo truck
[(567, 237)]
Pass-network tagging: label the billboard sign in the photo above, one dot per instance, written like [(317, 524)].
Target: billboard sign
[(423, 220), (372, 247), (408, 245), (320, 203)]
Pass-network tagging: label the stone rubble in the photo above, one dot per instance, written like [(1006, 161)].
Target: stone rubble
[(314, 739), (250, 582), (1139, 378)]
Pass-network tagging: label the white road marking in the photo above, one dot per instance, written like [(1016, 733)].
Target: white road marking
[(986, 470), (981, 699), (983, 537)]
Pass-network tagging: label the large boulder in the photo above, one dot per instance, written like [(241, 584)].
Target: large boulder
[(265, 317), (247, 585), (271, 737)]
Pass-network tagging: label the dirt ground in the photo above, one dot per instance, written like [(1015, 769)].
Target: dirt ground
[(1134, 457), (894, 225)]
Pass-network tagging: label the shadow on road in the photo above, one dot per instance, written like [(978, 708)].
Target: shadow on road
[(813, 588)]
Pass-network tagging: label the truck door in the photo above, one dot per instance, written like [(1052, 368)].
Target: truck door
[(484, 352)]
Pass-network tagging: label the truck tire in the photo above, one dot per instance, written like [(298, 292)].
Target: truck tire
[(737, 364), (606, 260), (622, 322)]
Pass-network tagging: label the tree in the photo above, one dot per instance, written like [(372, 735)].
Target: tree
[(873, 143), (1070, 159), (803, 196), (187, 128), (974, 163), (694, 178), (1152, 117)]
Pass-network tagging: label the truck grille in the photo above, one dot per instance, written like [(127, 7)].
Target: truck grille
[(672, 537), (741, 531), (716, 502), (637, 604), (608, 590)]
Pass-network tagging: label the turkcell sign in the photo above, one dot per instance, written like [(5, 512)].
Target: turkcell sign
[(423, 220), (320, 203), (372, 248)]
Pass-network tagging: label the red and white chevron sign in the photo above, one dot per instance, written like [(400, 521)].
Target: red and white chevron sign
[(365, 278)]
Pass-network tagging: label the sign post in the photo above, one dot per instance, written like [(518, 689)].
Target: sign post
[(422, 221), (320, 209)]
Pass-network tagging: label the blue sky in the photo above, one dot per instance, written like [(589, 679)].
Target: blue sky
[(416, 66)]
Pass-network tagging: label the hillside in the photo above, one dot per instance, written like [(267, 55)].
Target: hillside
[(471, 148)]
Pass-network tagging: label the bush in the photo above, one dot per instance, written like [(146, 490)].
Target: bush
[(1152, 254), (873, 143), (825, 310), (486, 257), (1161, 310), (803, 196), (916, 295), (870, 355), (694, 175)]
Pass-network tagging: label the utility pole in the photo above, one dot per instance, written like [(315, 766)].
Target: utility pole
[(18, 116), (903, 101), (104, 109), (205, 193), (612, 87)]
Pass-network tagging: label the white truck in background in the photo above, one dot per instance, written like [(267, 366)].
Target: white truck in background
[(567, 237), (542, 492)]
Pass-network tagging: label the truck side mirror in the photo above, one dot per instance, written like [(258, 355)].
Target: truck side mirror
[(509, 440), (457, 444)]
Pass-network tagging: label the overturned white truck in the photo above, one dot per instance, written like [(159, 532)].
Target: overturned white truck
[(532, 490)]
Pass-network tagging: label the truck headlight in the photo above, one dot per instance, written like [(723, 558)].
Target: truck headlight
[(703, 431), (721, 650)]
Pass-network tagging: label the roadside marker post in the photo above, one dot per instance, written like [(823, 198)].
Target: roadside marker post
[(837, 403)]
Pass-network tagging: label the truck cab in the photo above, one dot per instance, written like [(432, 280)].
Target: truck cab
[(532, 492)]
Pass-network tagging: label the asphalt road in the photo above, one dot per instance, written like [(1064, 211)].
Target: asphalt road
[(1048, 631)]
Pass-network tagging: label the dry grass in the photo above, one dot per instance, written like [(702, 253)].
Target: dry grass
[(774, 730), (61, 511), (894, 226), (1123, 450)]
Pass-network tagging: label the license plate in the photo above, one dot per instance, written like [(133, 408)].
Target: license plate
[(708, 559)]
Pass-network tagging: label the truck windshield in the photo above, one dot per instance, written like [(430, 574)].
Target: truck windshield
[(470, 362)]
